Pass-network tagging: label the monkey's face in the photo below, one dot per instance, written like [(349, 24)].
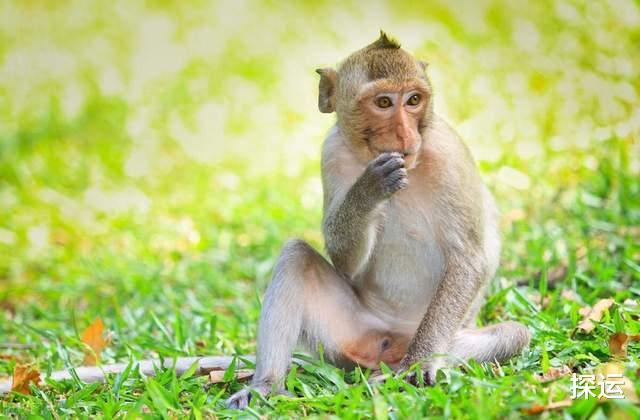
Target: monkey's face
[(383, 100), (390, 117)]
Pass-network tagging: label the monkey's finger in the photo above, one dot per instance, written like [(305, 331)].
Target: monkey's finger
[(392, 165), (397, 176), (396, 185), (384, 157)]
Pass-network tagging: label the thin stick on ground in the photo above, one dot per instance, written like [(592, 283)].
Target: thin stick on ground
[(16, 346), (91, 374)]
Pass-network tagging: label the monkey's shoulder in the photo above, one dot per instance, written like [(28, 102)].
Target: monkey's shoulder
[(444, 142), (340, 166), (335, 148), (446, 161)]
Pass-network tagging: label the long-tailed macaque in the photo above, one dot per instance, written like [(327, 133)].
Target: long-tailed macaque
[(410, 229)]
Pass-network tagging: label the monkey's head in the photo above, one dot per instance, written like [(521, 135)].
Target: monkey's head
[(382, 98)]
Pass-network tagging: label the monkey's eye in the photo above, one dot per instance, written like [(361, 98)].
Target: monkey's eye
[(414, 100), (384, 102)]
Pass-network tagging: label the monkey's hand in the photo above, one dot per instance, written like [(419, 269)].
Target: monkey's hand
[(383, 176), (348, 230), (429, 370)]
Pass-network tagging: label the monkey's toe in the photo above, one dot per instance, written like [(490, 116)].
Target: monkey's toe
[(428, 379), (239, 400)]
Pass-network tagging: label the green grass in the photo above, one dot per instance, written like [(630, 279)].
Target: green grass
[(156, 193)]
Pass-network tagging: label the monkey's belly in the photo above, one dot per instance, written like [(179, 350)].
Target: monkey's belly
[(402, 280)]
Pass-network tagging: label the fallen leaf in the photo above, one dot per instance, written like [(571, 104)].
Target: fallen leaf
[(23, 375), (93, 337), (584, 311), (554, 373), (556, 274), (570, 295), (241, 375), (615, 368), (539, 408), (8, 307), (618, 344), (581, 251), (595, 314), (535, 298)]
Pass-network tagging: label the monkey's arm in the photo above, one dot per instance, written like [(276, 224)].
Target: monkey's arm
[(349, 230), (470, 246), (464, 277), (353, 200)]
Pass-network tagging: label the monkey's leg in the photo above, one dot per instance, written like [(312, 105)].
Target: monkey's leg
[(497, 342), (306, 301)]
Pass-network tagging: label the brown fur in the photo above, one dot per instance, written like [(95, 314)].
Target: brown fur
[(410, 229)]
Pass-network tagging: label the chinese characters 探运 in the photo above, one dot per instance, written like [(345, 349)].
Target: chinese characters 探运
[(600, 386)]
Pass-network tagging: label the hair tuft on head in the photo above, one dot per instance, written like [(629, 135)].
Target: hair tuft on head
[(385, 41)]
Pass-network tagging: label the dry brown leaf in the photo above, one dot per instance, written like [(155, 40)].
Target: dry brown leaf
[(570, 295), (93, 337), (618, 345), (595, 314), (8, 306), (615, 368), (554, 373), (217, 376), (584, 311), (23, 375), (539, 408), (581, 251), (556, 274), (535, 298)]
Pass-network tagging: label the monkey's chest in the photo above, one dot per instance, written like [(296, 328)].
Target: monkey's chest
[(406, 268)]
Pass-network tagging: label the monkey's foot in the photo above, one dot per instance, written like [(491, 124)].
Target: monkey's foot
[(240, 400)]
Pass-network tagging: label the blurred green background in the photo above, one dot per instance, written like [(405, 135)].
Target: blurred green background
[(155, 155)]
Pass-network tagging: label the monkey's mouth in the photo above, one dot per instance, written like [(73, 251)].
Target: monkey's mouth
[(410, 158), (377, 152)]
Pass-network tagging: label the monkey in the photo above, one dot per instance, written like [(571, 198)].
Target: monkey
[(410, 230)]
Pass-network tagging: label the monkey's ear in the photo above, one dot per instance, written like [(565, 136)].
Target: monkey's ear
[(327, 94), (423, 65)]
